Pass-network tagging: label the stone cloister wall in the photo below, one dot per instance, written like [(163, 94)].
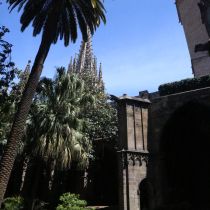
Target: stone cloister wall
[(161, 112), (146, 132)]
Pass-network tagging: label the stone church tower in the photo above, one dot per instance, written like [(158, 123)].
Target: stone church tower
[(85, 63), (193, 15)]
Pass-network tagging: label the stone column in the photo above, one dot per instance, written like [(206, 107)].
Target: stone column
[(133, 154)]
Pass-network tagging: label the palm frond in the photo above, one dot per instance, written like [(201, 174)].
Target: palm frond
[(56, 120), (60, 19)]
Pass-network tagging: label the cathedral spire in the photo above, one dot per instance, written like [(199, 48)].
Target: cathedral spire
[(89, 53), (75, 64), (85, 63), (100, 79), (28, 68), (85, 59), (100, 72), (81, 57), (70, 67), (95, 67)]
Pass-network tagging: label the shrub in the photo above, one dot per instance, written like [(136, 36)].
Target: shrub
[(71, 202), (13, 203), (184, 85)]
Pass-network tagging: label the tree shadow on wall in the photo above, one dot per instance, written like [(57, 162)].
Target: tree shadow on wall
[(186, 149)]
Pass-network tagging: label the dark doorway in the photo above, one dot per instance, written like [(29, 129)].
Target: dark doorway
[(144, 194), (186, 150)]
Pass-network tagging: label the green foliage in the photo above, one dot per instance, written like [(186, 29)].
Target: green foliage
[(102, 115), (13, 203), (8, 105), (8, 73), (102, 120), (54, 19), (71, 202), (184, 85), (67, 114), (7, 70), (55, 126)]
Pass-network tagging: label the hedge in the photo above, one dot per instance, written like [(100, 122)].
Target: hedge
[(184, 85)]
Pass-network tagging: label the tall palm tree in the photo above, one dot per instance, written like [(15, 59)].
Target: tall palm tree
[(54, 18)]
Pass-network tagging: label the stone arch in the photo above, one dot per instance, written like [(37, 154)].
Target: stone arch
[(185, 148)]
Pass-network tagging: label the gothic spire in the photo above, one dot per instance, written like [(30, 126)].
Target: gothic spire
[(100, 79), (28, 68), (75, 64), (85, 58), (70, 67), (95, 67), (86, 62), (89, 53), (81, 57), (100, 73)]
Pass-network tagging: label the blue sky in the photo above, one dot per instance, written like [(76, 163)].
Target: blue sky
[(141, 46)]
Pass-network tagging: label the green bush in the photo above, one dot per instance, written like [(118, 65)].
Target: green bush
[(184, 85), (13, 203), (71, 202)]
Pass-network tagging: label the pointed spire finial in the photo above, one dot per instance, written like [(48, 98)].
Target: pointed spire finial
[(100, 79), (70, 67), (28, 67), (85, 58), (95, 66), (100, 72), (85, 63)]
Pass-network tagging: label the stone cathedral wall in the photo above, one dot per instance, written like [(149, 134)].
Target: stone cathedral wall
[(188, 137), (196, 33)]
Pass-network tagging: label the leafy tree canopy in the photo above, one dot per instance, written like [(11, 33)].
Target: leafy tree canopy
[(7, 70), (102, 117), (8, 73)]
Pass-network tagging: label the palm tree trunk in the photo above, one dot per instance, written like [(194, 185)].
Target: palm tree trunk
[(16, 133)]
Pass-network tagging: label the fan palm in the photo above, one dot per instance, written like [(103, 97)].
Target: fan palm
[(54, 18), (55, 125)]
